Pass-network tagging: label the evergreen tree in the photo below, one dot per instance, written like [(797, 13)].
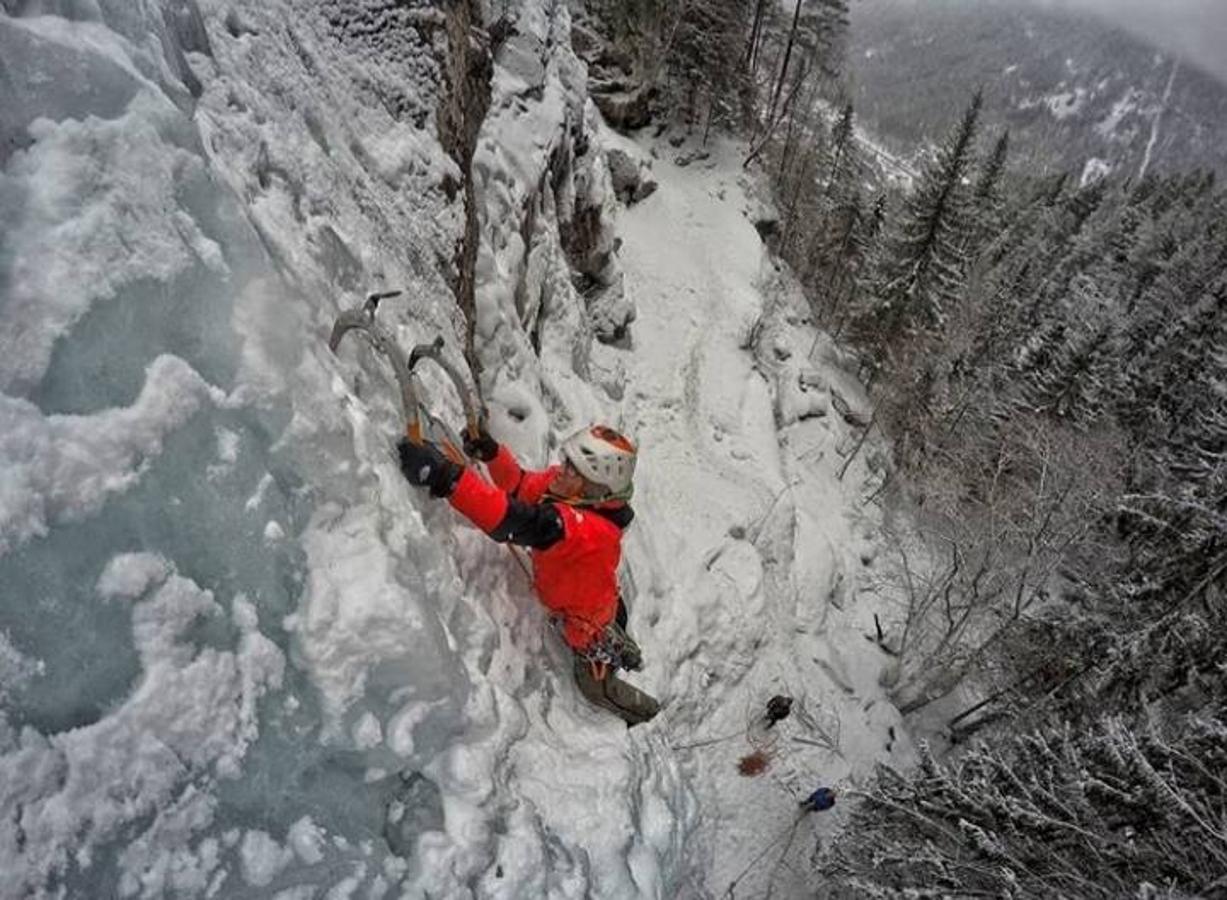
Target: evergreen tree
[(846, 167), (842, 229), (758, 28), (988, 185), (1175, 515), (830, 26), (854, 230), (783, 76), (997, 320), (1167, 349), (1075, 384), (987, 195), (706, 58), (1087, 231), (1055, 189), (924, 268)]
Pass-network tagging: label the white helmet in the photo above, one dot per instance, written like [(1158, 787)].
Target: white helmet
[(604, 457)]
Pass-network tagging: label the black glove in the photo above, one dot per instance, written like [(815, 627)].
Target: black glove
[(425, 465), (481, 445)]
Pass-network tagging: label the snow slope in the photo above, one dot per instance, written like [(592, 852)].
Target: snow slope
[(747, 544), (240, 655)]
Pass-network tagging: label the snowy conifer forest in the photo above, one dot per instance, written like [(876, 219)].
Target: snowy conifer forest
[(930, 504)]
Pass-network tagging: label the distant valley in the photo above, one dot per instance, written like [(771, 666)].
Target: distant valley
[(1076, 94)]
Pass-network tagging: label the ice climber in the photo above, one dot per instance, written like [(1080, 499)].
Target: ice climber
[(571, 516)]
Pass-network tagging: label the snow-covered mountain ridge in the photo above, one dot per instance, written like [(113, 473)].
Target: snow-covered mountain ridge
[(239, 655), (1075, 93)]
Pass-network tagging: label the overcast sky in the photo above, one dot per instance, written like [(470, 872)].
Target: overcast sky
[(1195, 29)]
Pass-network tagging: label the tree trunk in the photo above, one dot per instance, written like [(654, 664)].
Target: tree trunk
[(779, 82), (755, 35), (859, 444)]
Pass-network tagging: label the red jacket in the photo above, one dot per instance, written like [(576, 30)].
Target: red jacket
[(576, 575)]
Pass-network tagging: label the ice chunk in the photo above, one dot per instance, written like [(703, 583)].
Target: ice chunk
[(367, 732), (129, 575), (15, 668), (307, 839), (55, 468), (263, 858), (364, 635), (93, 212), (192, 710)]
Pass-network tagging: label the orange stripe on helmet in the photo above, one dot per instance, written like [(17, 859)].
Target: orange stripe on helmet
[(610, 436)]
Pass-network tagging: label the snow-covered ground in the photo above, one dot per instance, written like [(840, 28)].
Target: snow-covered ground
[(239, 656), (747, 547)]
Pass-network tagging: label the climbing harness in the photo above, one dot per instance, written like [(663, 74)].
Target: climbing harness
[(614, 647), (596, 668)]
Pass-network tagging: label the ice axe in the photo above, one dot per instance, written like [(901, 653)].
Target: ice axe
[(362, 318)]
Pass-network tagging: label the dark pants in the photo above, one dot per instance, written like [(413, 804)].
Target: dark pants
[(629, 703), (626, 702)]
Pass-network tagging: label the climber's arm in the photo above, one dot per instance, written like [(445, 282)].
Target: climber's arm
[(500, 515)]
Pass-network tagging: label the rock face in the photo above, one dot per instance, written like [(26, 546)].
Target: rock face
[(623, 99), (625, 107), (547, 250), (765, 217), (768, 228), (631, 179)]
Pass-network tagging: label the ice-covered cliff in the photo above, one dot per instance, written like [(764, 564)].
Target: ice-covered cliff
[(239, 655)]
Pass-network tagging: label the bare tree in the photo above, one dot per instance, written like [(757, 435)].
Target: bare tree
[(989, 548), (1113, 810)]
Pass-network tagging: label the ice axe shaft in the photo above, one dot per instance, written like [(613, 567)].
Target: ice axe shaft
[(434, 350), (362, 319)]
